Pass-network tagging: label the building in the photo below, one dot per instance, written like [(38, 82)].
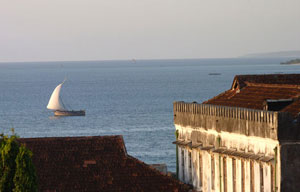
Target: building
[(98, 163), (245, 139)]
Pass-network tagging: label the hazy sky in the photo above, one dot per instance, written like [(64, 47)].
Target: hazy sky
[(45, 30)]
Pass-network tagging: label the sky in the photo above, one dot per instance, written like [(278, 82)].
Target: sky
[(60, 30)]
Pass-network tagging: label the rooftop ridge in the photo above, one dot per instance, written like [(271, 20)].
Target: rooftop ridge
[(239, 80), (272, 85)]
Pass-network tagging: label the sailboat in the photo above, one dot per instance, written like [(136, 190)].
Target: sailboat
[(56, 104)]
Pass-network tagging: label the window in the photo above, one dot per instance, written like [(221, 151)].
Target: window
[(190, 160), (200, 170), (182, 163), (243, 175), (251, 176), (212, 172), (261, 171), (272, 178), (182, 158), (225, 174), (233, 174), (190, 167)]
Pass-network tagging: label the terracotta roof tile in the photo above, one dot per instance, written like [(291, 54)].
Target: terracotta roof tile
[(98, 163), (292, 79), (251, 91)]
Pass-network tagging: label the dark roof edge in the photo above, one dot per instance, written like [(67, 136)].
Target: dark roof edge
[(241, 79), (158, 172), (71, 138), (75, 138)]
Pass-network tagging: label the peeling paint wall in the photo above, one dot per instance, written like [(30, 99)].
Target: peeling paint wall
[(205, 131), (203, 182), (255, 133), (256, 145), (228, 119)]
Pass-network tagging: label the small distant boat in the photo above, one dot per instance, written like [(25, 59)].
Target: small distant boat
[(214, 74), (56, 104)]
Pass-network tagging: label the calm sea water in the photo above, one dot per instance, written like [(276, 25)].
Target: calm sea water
[(133, 99)]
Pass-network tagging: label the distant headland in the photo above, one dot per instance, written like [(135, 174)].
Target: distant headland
[(291, 62)]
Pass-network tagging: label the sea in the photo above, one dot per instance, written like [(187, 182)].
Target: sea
[(133, 98)]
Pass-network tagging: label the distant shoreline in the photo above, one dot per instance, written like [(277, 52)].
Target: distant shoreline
[(291, 62)]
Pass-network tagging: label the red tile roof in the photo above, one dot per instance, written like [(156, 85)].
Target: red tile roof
[(251, 91), (98, 163), (291, 79)]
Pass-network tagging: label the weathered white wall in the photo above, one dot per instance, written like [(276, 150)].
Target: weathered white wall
[(252, 144), (247, 176), (206, 172), (185, 172), (245, 143), (195, 169), (229, 174), (256, 176), (186, 166), (278, 170), (179, 164), (267, 178), (217, 172)]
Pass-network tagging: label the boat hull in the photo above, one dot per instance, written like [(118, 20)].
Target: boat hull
[(69, 113)]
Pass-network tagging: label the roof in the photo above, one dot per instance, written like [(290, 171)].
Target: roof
[(283, 79), (98, 163), (253, 91)]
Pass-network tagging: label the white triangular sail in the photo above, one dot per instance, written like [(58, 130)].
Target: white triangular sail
[(54, 102)]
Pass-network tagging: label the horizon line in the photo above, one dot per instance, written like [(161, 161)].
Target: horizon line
[(249, 55), (93, 60)]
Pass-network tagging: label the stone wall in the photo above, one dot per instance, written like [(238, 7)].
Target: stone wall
[(290, 166)]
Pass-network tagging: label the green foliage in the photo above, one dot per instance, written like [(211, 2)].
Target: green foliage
[(17, 172), (176, 134), (8, 151), (25, 177), (177, 161)]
